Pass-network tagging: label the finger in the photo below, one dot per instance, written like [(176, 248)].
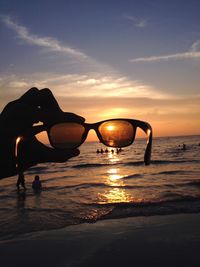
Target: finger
[(58, 155), (40, 98), (47, 106), (51, 112), (63, 116), (31, 97), (34, 106), (17, 117), (31, 152)]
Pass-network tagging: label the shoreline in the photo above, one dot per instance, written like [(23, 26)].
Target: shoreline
[(170, 240)]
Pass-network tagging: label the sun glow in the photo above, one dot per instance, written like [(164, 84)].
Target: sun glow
[(110, 127), (114, 113)]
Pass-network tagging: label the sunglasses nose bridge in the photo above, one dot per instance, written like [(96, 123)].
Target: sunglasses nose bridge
[(94, 127)]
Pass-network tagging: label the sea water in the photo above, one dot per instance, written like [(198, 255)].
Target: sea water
[(95, 186)]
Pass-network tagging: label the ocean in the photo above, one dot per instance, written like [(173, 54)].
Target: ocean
[(94, 186)]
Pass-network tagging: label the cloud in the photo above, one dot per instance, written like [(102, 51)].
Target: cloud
[(193, 53), (140, 23), (195, 46), (90, 96), (49, 44), (78, 85), (95, 79), (178, 56), (46, 42), (153, 110)]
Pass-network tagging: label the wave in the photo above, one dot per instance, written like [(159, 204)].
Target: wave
[(134, 163), (187, 204), (107, 186), (90, 185), (47, 169), (131, 163), (193, 183), (174, 161), (92, 165), (174, 172), (37, 168), (132, 176), (58, 217)]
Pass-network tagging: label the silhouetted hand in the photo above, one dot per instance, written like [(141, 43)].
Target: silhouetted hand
[(19, 116)]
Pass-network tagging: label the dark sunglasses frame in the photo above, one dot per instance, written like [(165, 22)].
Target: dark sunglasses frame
[(145, 126)]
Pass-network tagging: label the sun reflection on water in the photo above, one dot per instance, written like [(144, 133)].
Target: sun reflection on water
[(113, 157), (117, 194), (114, 177)]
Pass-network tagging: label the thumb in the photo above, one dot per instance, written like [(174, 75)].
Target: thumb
[(32, 152), (56, 155)]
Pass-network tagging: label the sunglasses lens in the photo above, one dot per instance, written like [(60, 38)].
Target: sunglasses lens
[(117, 133), (67, 135)]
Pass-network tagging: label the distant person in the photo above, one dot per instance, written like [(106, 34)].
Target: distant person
[(36, 184), (118, 150), (21, 181), (184, 146), (106, 150), (102, 151), (98, 151)]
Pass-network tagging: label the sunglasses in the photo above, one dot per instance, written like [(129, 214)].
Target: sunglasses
[(112, 133)]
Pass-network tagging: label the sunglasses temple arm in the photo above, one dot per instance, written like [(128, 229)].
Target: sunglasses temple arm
[(147, 155), (146, 127)]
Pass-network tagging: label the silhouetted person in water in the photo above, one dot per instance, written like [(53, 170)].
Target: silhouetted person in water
[(36, 184), (17, 118), (184, 146), (21, 181)]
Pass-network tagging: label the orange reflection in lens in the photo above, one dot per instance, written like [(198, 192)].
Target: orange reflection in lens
[(117, 133), (67, 135), (110, 127)]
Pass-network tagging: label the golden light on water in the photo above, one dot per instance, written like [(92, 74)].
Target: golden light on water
[(116, 194), (112, 157), (114, 178)]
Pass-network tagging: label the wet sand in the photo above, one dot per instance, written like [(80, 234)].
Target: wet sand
[(171, 240)]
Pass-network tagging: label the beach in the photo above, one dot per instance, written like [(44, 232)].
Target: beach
[(170, 240)]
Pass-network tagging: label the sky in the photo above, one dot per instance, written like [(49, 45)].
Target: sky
[(107, 59)]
